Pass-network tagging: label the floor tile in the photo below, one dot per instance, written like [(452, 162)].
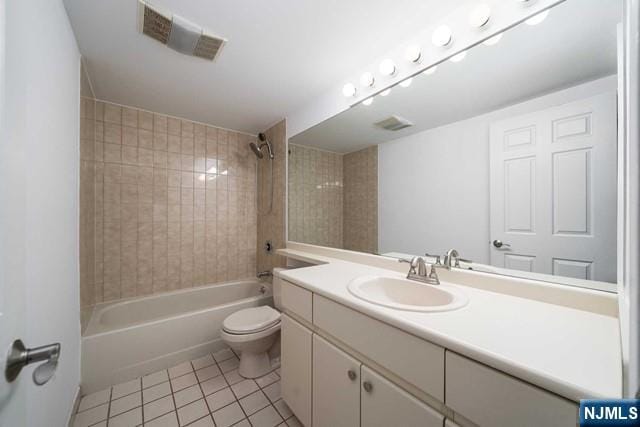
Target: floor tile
[(94, 399), (158, 407), (270, 378), (91, 416), (243, 423), (181, 369), (273, 391), (203, 422), (213, 385), (294, 422), (156, 392), (124, 404), (228, 415), (254, 402), (155, 378), (233, 377), (283, 409), (219, 399), (203, 362), (223, 355), (188, 395), (192, 412), (168, 420), (183, 382), (244, 388), (267, 417), (125, 388), (132, 418), (229, 364), (208, 373)]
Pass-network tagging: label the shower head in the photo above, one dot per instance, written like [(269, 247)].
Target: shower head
[(258, 149)]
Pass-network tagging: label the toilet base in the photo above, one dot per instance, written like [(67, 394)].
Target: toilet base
[(256, 365)]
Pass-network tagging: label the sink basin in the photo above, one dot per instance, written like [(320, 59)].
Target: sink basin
[(404, 294)]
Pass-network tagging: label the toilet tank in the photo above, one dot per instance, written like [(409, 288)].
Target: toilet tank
[(277, 288)]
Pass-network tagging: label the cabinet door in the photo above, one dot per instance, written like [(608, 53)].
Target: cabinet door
[(296, 368), (385, 404), (336, 386)]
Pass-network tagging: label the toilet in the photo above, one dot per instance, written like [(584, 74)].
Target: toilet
[(255, 333)]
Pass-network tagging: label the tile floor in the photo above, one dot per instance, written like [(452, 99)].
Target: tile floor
[(204, 392)]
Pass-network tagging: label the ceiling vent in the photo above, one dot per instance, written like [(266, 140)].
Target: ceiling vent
[(394, 123), (177, 33)]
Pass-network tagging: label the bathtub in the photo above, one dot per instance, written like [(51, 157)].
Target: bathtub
[(130, 338)]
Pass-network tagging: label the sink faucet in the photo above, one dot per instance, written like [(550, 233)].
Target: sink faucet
[(452, 259), (421, 274)]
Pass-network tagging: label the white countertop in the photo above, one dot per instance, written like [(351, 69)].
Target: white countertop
[(571, 352)]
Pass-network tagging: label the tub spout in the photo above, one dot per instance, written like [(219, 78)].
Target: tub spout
[(262, 274)]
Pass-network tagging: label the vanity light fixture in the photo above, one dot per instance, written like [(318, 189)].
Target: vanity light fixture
[(367, 79), (493, 40), (536, 19), (413, 53), (385, 92), (430, 70), (387, 67), (479, 16), (442, 36), (459, 57), (407, 82), (349, 90), (368, 101)]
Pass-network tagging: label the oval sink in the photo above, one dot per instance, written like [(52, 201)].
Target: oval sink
[(404, 294)]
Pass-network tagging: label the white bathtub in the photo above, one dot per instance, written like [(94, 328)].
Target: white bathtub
[(130, 338)]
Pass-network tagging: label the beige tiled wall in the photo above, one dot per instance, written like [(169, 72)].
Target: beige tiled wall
[(271, 224), (361, 200), (315, 196), (175, 204)]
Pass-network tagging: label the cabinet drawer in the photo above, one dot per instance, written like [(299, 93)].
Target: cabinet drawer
[(490, 398), (414, 360), (297, 300)]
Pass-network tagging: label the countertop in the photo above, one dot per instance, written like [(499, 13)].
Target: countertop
[(573, 353)]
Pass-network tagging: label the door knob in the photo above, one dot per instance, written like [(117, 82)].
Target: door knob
[(351, 374), (367, 386), (20, 356), (499, 243)]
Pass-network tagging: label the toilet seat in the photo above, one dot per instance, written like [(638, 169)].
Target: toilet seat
[(251, 320)]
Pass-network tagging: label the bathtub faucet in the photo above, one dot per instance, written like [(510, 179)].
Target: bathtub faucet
[(262, 274)]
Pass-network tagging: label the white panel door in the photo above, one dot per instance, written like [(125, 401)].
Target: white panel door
[(296, 368), (336, 386), (553, 190)]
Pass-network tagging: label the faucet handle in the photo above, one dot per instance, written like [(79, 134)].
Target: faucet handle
[(413, 263), (437, 257)]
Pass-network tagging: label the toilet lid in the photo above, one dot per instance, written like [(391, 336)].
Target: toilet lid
[(252, 319)]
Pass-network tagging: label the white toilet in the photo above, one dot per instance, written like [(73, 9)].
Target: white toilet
[(254, 333)]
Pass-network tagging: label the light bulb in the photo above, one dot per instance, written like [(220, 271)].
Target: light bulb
[(536, 19), (349, 90), (406, 83), (387, 67), (368, 101), (430, 70), (385, 92), (459, 57), (413, 53), (479, 17), (367, 79), (493, 40), (442, 36)]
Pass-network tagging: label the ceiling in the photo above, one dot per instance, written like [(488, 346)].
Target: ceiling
[(576, 43), (280, 55)]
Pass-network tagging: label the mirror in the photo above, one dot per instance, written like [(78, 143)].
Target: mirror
[(508, 154)]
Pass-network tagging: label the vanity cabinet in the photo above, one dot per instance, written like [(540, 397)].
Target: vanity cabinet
[(336, 386), (296, 345)]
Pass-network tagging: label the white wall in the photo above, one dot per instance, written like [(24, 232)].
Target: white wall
[(434, 185), (43, 94)]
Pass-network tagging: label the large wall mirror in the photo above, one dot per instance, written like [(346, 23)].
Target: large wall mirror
[(507, 153)]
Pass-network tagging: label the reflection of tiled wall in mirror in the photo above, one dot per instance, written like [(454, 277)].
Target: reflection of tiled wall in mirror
[(361, 200)]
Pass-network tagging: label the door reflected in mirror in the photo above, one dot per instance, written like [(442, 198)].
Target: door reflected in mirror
[(508, 154)]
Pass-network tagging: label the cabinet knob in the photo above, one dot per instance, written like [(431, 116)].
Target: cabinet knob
[(367, 386), (352, 374)]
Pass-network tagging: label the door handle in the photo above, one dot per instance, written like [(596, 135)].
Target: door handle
[(499, 243), (20, 356)]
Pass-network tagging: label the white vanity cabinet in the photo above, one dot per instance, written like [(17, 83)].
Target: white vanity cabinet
[(296, 345)]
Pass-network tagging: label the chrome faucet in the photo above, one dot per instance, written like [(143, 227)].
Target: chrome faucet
[(262, 274), (452, 259), (421, 274)]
